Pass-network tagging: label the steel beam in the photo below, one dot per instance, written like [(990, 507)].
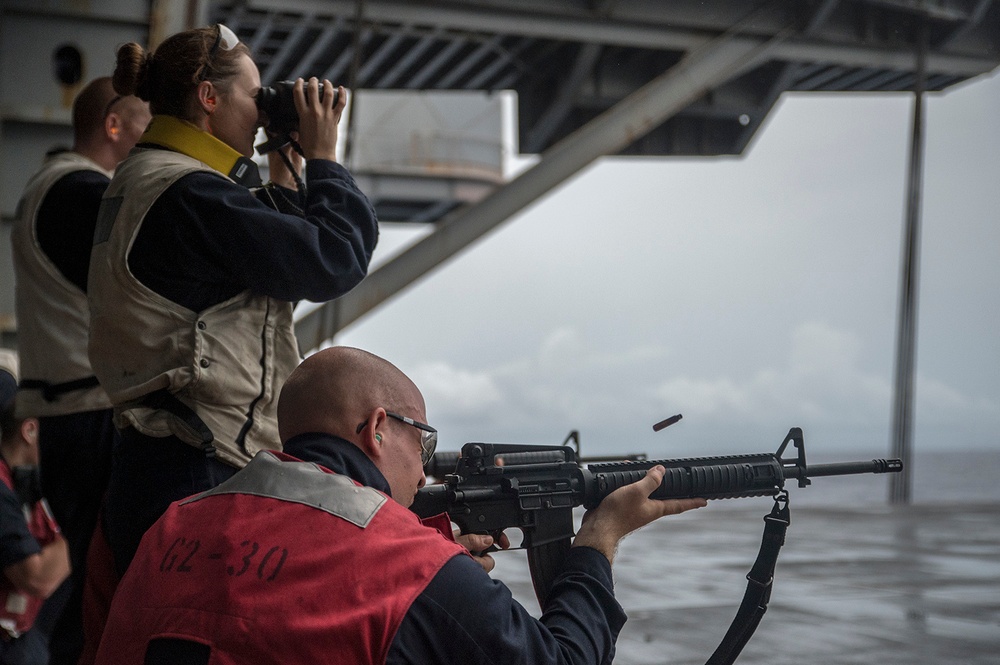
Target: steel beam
[(384, 51), (790, 71), (262, 35), (632, 118), (755, 116), (565, 99), (490, 47), (304, 66), (909, 281), (818, 80), (972, 22), (619, 32), (436, 63), (340, 65), (167, 17), (412, 54), (505, 56), (285, 51)]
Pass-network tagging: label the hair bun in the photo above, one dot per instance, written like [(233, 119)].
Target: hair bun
[(131, 71)]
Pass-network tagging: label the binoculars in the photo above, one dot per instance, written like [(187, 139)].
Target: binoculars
[(278, 106)]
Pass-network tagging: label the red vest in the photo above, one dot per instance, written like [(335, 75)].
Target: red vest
[(18, 610), (284, 563)]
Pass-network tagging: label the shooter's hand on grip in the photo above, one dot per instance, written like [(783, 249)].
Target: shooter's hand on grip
[(318, 118), (627, 509), (480, 546)]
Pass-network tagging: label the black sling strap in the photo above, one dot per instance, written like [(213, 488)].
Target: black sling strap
[(758, 591), (52, 391)]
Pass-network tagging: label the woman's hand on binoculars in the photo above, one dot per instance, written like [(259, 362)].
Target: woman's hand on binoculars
[(318, 118)]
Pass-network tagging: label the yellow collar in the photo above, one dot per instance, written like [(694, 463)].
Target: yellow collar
[(183, 137)]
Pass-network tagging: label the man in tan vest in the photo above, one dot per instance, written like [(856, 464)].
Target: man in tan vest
[(51, 241)]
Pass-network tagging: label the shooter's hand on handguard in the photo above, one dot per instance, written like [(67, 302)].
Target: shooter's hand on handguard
[(627, 509), (318, 118)]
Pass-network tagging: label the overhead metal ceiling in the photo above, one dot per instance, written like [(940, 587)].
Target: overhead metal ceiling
[(570, 60), (592, 77), (602, 77)]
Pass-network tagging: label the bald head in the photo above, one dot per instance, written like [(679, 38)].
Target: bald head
[(335, 389), (89, 106), (107, 125)]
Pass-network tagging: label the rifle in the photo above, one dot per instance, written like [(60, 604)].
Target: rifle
[(535, 487)]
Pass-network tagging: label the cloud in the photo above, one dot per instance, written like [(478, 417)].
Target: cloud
[(457, 390), (565, 383), (821, 381), (613, 398)]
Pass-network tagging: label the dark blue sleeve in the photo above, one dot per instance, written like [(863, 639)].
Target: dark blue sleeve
[(66, 221), (206, 239), (464, 616), (16, 542)]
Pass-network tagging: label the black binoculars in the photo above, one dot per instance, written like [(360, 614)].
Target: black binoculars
[(278, 107)]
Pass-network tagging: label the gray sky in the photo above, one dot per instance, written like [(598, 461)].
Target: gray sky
[(750, 294)]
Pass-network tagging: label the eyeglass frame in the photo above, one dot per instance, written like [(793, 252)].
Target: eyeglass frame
[(220, 32), (428, 435)]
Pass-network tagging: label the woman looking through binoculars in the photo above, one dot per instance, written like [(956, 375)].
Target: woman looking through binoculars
[(193, 277)]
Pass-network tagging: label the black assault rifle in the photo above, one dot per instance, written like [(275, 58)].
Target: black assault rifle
[(534, 488)]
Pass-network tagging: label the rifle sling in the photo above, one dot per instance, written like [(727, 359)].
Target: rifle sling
[(759, 580)]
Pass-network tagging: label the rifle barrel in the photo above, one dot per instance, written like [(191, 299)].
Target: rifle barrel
[(845, 468)]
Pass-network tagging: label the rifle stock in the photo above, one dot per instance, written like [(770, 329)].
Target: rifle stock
[(534, 488)]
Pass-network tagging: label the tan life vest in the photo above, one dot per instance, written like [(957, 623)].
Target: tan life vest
[(53, 318), (162, 363)]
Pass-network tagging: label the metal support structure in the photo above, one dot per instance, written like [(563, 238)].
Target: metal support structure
[(700, 71), (906, 333), (167, 17), (636, 31), (789, 72), (565, 98)]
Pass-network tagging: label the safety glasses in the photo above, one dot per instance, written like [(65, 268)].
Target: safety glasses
[(428, 435), (226, 40)]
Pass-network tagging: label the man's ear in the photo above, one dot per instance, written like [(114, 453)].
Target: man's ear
[(113, 127), (29, 431), (372, 435)]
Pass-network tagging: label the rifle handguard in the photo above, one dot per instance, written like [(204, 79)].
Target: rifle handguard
[(706, 477)]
